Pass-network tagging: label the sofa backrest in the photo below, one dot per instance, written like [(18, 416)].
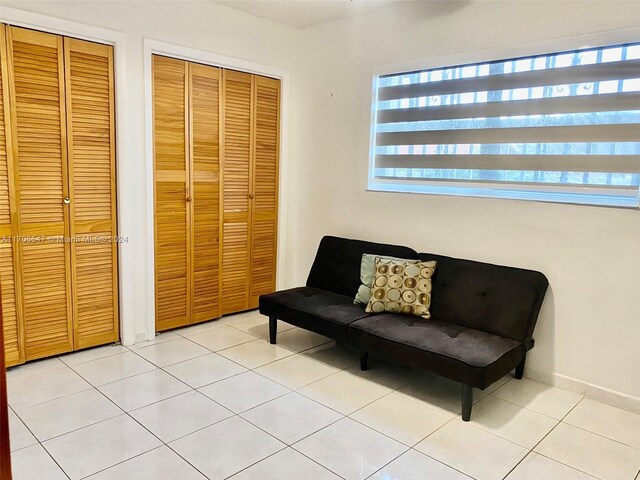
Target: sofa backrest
[(501, 300), (337, 264)]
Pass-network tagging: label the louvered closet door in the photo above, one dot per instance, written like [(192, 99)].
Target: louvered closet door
[(264, 216), (7, 275), (204, 98), (36, 73), (236, 174), (89, 99), (172, 245)]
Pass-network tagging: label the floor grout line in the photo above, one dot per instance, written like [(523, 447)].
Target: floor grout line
[(124, 412), (255, 463), (55, 461), (123, 461), (342, 416), (187, 461), (317, 463), (567, 465), (38, 442), (239, 415), (532, 449)]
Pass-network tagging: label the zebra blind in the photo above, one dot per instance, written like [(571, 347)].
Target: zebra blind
[(555, 127)]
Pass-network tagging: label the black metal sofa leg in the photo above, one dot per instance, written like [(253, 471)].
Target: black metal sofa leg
[(520, 368), (273, 330), (364, 360), (467, 402)]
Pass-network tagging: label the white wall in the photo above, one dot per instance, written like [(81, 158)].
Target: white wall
[(198, 25), (589, 329)]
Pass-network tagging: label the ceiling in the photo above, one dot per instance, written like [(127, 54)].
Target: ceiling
[(305, 13)]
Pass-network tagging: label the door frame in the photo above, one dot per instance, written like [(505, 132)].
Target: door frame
[(5, 450), (123, 141), (152, 47)]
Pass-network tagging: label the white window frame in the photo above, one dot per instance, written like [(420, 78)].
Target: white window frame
[(495, 191)]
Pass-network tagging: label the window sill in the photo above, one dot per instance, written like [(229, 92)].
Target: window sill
[(575, 197)]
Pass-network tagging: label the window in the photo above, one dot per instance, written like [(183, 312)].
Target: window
[(562, 127)]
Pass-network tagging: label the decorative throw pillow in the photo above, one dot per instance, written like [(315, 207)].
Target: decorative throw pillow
[(367, 272), (402, 287)]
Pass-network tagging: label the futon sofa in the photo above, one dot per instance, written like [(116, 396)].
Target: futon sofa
[(481, 325)]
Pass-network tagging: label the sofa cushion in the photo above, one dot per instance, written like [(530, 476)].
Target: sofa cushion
[(501, 300), (367, 272), (467, 355), (337, 264), (402, 286), (314, 309)]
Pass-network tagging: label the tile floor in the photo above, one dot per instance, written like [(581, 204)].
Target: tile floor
[(217, 401)]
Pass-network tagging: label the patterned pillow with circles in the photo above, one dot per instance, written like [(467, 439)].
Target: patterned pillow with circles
[(367, 272), (402, 287)]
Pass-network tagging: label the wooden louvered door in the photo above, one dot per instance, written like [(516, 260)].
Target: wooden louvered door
[(172, 214), (204, 167), (264, 188), (236, 185), (8, 304), (216, 145), (58, 262), (38, 119), (186, 141), (90, 137)]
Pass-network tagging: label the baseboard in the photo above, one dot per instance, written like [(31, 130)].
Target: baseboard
[(612, 397), (139, 338), (589, 390), (557, 380)]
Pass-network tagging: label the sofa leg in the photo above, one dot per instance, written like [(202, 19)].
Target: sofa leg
[(520, 368), (273, 330), (364, 360), (467, 402)]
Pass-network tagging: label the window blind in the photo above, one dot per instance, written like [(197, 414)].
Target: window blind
[(556, 127)]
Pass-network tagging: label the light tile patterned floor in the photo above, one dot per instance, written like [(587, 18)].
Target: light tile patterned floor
[(217, 401)]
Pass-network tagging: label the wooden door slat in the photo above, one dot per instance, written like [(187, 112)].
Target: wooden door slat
[(172, 215), (39, 145), (92, 189), (204, 102), (236, 184), (8, 301), (264, 227)]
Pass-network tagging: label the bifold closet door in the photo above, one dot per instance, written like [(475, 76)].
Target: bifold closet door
[(250, 188), (8, 303), (40, 190), (264, 196), (172, 223), (236, 189), (186, 142), (92, 191), (204, 143), (216, 142), (58, 263)]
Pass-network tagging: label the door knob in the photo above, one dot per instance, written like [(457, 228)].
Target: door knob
[(66, 200), (251, 196), (188, 199)]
